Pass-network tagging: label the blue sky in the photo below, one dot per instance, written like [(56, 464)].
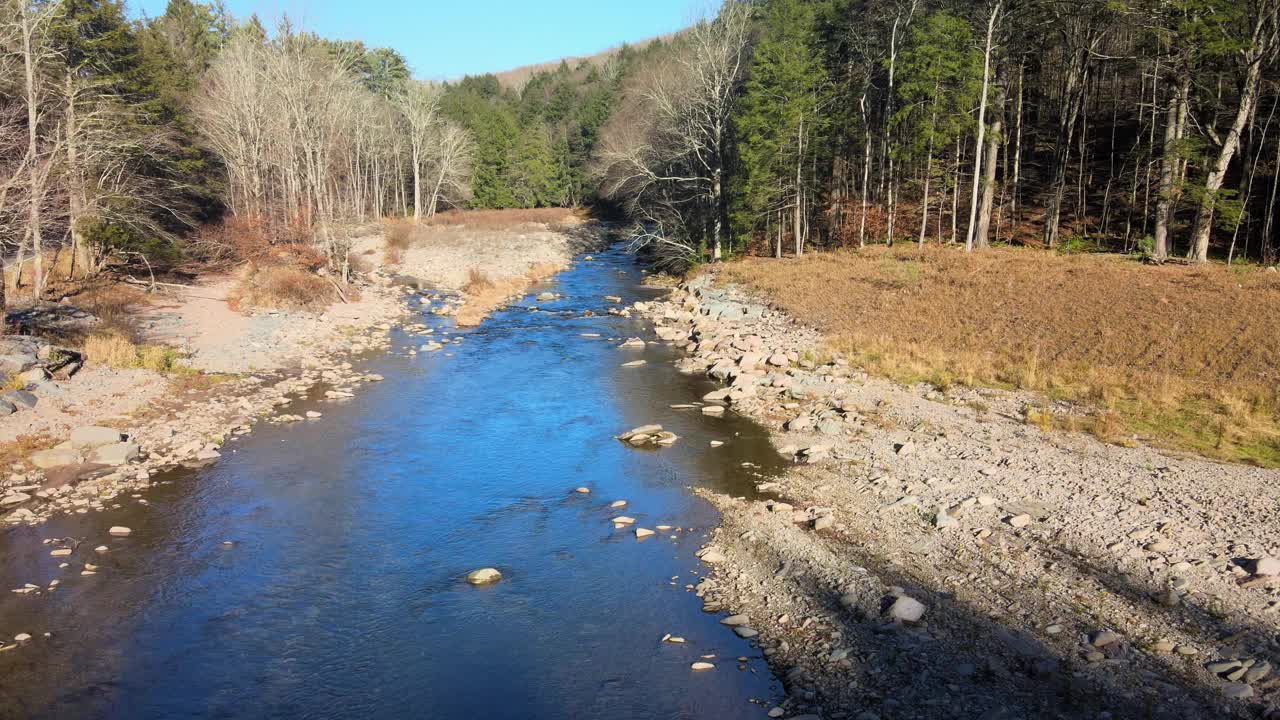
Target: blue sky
[(445, 39)]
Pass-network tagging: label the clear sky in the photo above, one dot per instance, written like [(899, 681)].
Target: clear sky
[(446, 39)]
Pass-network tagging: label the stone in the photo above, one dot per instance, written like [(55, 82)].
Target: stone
[(712, 557), (56, 457), (115, 454), (643, 533), (735, 620), (1104, 638), (92, 436), (907, 609), (119, 531), (713, 410), (1020, 521), (483, 576), (22, 637), (745, 632), (700, 666), (7, 408), (943, 521), (623, 520), (618, 503), (1238, 691), (14, 498), (1266, 566), (20, 398), (905, 448), (583, 491), (823, 522), (60, 552)]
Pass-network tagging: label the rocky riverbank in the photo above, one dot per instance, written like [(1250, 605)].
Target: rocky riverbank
[(934, 554)]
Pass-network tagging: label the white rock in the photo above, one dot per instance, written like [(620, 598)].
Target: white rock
[(643, 533), (483, 576), (702, 666), (119, 531), (907, 609), (1267, 567)]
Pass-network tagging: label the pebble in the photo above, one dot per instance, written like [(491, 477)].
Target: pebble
[(119, 531), (618, 503), (735, 620), (643, 533), (583, 490), (702, 666), (1103, 638), (1020, 521)]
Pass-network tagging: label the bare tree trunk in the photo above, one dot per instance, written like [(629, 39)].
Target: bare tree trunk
[(799, 186), (866, 170), (1262, 40), (35, 180), (1168, 170), (981, 238), (1015, 207), (982, 126)]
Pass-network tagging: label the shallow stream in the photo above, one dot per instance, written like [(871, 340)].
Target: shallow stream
[(316, 570)]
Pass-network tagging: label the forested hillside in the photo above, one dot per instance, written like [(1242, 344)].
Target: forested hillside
[(1139, 126)]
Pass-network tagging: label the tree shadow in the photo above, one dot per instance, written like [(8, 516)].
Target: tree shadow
[(965, 662)]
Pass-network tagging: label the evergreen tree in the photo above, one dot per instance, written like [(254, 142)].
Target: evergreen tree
[(778, 123)]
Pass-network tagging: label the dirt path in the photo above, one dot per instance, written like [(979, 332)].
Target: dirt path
[(934, 555)]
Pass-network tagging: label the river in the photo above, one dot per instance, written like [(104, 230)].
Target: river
[(316, 570)]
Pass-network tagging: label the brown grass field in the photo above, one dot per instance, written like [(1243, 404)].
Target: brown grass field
[(1181, 357)]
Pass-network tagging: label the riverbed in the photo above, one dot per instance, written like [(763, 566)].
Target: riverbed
[(316, 570)]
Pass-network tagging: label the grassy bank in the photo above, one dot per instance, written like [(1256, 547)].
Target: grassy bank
[(1181, 357)]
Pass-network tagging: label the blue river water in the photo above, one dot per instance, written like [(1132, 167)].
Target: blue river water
[(316, 570)]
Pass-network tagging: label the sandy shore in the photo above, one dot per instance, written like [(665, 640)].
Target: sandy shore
[(932, 554)]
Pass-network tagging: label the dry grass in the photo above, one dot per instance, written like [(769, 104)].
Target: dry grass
[(114, 349), (484, 293), (281, 287), (477, 282), (495, 219), (1185, 357), (397, 236)]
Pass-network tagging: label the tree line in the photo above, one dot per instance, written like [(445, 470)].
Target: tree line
[(1141, 126)]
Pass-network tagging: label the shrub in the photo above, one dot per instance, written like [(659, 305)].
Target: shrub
[(397, 237), (477, 282), (115, 350), (285, 287)]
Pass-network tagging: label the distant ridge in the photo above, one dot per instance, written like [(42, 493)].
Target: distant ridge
[(517, 77)]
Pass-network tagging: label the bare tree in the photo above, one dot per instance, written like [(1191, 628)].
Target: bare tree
[(419, 104), (1261, 46), (451, 165), (664, 152)]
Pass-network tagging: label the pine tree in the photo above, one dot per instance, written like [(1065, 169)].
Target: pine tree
[(778, 122)]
